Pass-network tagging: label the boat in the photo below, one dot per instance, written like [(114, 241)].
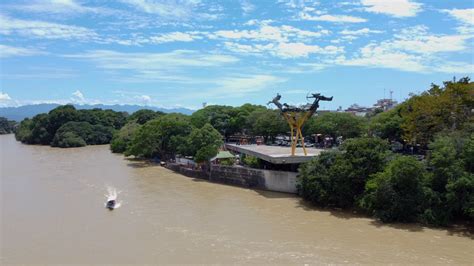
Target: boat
[(110, 204)]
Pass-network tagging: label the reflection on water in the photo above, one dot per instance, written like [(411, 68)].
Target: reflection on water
[(52, 212)]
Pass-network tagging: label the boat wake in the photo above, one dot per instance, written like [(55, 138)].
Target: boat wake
[(112, 194)]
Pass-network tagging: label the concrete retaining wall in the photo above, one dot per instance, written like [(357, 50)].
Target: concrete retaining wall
[(254, 178), (279, 181), (186, 171)]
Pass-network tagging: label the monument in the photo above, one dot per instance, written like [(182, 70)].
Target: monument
[(297, 116)]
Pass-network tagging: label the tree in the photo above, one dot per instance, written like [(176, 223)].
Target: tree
[(60, 116), (203, 143), (122, 138), (40, 131), (440, 108), (91, 134), (6, 126), (387, 125), (160, 137), (108, 118), (267, 123), (336, 124), (24, 131), (339, 178), (98, 126), (397, 193), (69, 140), (450, 183), (144, 115)]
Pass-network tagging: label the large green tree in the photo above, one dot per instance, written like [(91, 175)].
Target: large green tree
[(267, 123), (203, 143), (6, 126), (397, 193), (160, 137), (122, 138), (440, 108), (339, 178), (336, 124), (144, 115)]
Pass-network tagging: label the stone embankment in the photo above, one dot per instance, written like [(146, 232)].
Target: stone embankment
[(279, 181)]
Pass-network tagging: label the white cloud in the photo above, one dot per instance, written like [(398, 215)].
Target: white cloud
[(291, 50), (363, 31), (46, 30), (10, 51), (145, 99), (374, 55), (417, 39), (176, 9), (174, 37), (465, 16), (78, 97), (270, 33), (333, 18), (167, 66), (238, 86), (4, 97), (246, 6), (395, 8), (283, 49), (58, 7), (413, 49)]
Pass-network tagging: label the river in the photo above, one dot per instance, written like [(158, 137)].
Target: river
[(52, 211)]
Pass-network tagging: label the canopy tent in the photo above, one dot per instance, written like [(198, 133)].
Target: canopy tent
[(223, 155)]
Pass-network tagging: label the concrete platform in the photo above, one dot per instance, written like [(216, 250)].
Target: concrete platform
[(275, 154)]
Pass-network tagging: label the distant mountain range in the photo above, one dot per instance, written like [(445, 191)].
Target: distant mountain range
[(22, 112)]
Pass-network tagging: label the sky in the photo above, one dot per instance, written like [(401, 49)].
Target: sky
[(184, 53)]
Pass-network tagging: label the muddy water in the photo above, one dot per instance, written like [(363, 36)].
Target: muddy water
[(52, 212)]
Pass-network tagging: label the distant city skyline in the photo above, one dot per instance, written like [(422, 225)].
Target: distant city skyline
[(183, 53)]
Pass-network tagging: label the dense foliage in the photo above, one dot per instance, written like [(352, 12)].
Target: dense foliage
[(364, 174), (396, 193), (7, 126), (202, 143), (338, 178), (71, 134), (166, 136), (65, 127), (160, 137), (122, 138), (227, 120), (337, 124)]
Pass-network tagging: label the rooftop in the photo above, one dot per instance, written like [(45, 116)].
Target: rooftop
[(275, 154)]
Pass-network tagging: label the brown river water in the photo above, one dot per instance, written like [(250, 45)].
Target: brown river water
[(52, 211)]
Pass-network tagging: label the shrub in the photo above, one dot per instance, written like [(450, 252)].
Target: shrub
[(397, 193), (251, 161), (338, 178), (91, 134), (123, 137), (69, 139)]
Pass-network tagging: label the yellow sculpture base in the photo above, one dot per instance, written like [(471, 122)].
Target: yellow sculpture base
[(295, 121)]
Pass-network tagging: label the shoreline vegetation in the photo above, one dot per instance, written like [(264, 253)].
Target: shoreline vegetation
[(413, 163)]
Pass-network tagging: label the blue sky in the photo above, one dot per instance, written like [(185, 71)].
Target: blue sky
[(183, 53)]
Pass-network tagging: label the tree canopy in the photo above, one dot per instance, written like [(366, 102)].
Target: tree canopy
[(7, 126), (94, 126)]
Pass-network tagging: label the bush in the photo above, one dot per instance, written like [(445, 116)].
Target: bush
[(251, 161), (338, 178), (69, 139), (317, 180), (123, 137), (91, 134), (397, 193)]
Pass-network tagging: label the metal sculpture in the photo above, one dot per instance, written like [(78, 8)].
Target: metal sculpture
[(297, 116)]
